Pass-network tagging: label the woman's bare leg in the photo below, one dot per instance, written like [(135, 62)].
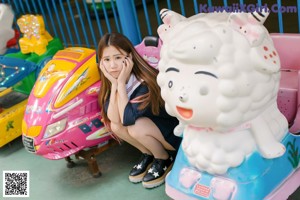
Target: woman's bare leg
[(146, 133), (122, 132)]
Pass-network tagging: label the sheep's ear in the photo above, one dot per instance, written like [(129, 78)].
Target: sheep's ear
[(265, 57), (170, 19), (250, 25), (258, 17)]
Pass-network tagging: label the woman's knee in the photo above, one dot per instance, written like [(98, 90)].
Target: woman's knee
[(133, 131), (140, 128), (117, 128)]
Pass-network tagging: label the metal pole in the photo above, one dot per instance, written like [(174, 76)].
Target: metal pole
[(128, 24)]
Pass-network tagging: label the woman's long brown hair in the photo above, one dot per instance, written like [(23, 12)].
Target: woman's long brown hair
[(141, 69)]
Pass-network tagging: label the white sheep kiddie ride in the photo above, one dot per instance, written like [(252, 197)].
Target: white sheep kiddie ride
[(6, 30), (219, 75)]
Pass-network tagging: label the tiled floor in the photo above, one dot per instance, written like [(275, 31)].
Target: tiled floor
[(52, 180)]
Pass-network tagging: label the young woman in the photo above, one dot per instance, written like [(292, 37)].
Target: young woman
[(134, 110)]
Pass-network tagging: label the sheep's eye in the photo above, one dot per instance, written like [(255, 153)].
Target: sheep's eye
[(203, 90), (170, 84)]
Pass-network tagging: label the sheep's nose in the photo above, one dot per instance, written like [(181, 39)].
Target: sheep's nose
[(183, 97)]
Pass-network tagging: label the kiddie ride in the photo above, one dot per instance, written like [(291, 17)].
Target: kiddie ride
[(288, 95), (18, 72), (8, 36), (219, 75), (62, 117)]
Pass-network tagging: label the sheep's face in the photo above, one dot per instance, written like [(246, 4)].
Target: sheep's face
[(189, 91), (213, 75)]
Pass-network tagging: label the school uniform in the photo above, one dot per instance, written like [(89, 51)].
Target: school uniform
[(163, 121)]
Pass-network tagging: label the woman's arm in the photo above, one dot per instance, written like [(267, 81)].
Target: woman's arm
[(113, 108), (131, 111), (122, 79), (122, 100)]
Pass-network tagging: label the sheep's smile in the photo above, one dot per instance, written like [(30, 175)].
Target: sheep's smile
[(186, 113)]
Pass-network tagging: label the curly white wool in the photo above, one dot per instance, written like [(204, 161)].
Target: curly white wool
[(245, 87), (244, 90)]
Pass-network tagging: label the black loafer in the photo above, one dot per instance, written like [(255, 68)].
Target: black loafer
[(139, 170), (157, 172)]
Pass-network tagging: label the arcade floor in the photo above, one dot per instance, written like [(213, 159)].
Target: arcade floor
[(52, 180)]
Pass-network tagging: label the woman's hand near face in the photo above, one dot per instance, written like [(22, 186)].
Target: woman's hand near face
[(122, 79), (126, 70), (106, 74)]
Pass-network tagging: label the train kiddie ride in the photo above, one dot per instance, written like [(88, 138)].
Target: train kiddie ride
[(149, 49), (62, 117), (219, 75), (18, 72)]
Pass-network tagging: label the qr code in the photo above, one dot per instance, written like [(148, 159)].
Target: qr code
[(15, 183)]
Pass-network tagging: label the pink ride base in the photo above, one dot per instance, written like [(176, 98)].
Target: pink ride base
[(283, 192)]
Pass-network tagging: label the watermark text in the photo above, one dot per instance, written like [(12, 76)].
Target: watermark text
[(236, 8)]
